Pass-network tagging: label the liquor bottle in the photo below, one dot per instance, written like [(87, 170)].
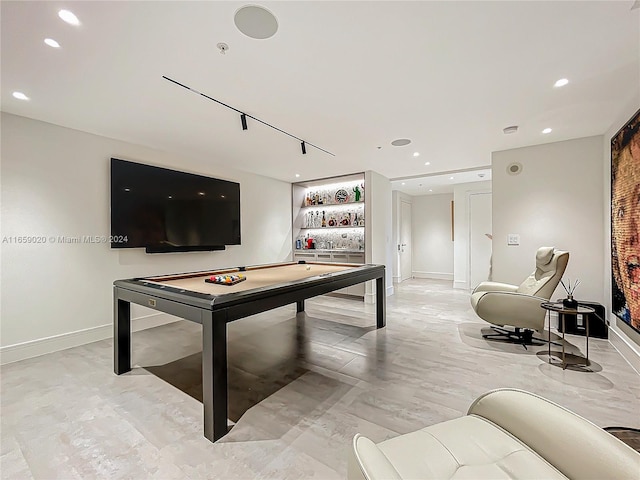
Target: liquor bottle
[(324, 222), (354, 222)]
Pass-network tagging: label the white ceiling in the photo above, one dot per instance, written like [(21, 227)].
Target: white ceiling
[(440, 183), (347, 76)]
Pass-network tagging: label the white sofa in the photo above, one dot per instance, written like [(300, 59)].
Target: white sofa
[(506, 433)]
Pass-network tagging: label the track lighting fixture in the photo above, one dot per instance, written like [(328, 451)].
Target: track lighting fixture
[(243, 118)]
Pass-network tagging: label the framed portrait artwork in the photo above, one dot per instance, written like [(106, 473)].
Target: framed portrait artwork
[(625, 222)]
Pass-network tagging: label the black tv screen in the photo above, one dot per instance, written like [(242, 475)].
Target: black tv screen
[(165, 210)]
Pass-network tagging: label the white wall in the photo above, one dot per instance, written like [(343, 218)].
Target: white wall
[(461, 193), (555, 201), (55, 181), (378, 234), (431, 236), (630, 339)]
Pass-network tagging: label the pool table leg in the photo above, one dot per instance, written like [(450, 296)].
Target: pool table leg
[(121, 334), (214, 374), (381, 299), (300, 306)]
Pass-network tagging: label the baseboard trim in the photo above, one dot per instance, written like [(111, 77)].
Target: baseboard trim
[(55, 343), (625, 349), (433, 275), (370, 298), (460, 285)]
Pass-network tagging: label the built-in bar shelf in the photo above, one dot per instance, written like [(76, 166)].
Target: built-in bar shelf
[(343, 199)]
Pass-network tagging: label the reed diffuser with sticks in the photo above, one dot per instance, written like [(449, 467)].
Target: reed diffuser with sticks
[(570, 302)]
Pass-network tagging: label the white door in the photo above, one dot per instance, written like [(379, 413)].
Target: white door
[(479, 242), (405, 240)]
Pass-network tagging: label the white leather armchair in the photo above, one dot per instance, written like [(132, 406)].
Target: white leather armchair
[(507, 433), (518, 306)]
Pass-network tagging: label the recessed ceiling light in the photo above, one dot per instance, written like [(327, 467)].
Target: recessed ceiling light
[(431, 189), (127, 189), (200, 193), (561, 83), (511, 129), (169, 196), (450, 178), (256, 22), (20, 96), (416, 154), (427, 163), (51, 42), (401, 142), (403, 183), (297, 175), (222, 196), (547, 130), (69, 17)]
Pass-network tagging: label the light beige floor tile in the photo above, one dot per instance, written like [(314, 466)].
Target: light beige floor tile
[(304, 385)]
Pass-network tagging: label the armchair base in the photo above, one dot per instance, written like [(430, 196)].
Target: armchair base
[(522, 336)]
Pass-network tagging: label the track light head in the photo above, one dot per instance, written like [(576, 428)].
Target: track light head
[(304, 148), (243, 119)]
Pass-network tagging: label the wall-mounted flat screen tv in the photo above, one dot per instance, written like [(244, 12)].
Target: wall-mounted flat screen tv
[(166, 210)]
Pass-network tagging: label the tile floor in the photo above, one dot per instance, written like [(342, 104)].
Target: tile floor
[(300, 388)]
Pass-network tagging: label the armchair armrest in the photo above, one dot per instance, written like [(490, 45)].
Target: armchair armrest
[(495, 287), (510, 308), (569, 442), (367, 462)]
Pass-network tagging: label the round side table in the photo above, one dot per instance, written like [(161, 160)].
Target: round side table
[(561, 309)]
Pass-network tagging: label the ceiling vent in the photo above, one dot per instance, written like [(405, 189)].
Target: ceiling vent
[(511, 129)]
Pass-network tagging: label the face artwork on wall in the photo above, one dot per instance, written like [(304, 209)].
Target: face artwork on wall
[(625, 222)]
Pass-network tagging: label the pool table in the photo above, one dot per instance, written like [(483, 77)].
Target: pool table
[(265, 287)]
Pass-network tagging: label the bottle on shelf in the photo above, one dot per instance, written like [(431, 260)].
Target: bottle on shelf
[(357, 192), (354, 220), (324, 222)]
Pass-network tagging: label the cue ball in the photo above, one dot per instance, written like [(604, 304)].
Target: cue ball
[(308, 267)]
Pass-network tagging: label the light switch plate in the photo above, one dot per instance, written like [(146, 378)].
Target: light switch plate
[(513, 239)]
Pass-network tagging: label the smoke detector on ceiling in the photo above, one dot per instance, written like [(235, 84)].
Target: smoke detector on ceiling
[(514, 168)]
